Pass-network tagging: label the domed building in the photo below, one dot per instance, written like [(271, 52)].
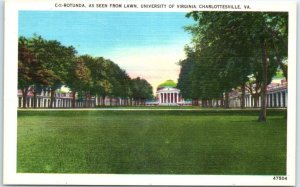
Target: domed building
[(168, 94)]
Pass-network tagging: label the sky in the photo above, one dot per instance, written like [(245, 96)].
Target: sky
[(145, 44)]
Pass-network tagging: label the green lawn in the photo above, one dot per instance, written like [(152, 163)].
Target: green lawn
[(151, 142)]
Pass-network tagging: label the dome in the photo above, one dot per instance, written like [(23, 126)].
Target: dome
[(167, 83)]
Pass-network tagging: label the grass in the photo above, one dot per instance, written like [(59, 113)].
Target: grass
[(151, 142)]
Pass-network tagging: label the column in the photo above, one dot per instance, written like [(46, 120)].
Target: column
[(42, 102), (172, 98), (161, 97), (271, 100), (279, 99), (177, 97), (38, 102), (247, 103), (29, 103), (282, 102), (283, 99), (175, 101), (286, 98), (274, 99)]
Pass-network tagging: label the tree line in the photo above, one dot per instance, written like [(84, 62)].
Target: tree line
[(234, 50), (48, 65)]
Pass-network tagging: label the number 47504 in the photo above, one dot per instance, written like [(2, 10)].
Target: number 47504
[(281, 178)]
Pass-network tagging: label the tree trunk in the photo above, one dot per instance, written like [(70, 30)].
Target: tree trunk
[(226, 100), (85, 105), (103, 100), (34, 99), (52, 99), (24, 95), (73, 99), (203, 102), (98, 100), (255, 100), (195, 102), (263, 113), (222, 102), (243, 88)]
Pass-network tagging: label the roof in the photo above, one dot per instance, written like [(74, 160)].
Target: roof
[(167, 84)]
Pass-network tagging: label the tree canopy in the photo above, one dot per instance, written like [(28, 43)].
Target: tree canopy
[(47, 64), (229, 48)]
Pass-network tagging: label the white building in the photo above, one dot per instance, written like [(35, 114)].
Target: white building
[(169, 96), (277, 96)]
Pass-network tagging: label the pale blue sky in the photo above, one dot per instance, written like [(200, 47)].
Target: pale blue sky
[(145, 44)]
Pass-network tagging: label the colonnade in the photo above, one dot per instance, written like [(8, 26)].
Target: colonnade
[(172, 97), (274, 99), (277, 99), (44, 102)]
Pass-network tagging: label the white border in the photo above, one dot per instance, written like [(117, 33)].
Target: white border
[(10, 104)]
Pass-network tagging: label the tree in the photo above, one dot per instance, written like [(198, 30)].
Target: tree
[(25, 59), (32, 73), (141, 90), (45, 62), (235, 44), (184, 79), (55, 58), (79, 79)]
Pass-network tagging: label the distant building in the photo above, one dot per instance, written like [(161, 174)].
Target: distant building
[(168, 94), (277, 96)]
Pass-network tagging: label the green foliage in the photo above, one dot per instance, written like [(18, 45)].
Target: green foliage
[(48, 64), (279, 75), (167, 83), (79, 78), (228, 48), (185, 80), (141, 89)]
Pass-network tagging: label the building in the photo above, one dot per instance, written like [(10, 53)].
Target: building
[(277, 96), (168, 94)]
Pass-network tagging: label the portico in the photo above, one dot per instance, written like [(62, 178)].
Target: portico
[(169, 96)]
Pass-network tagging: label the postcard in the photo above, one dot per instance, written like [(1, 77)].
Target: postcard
[(150, 93)]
